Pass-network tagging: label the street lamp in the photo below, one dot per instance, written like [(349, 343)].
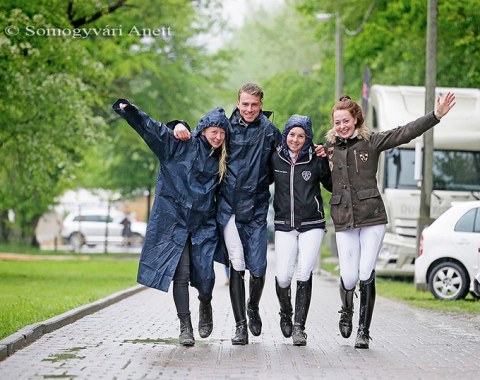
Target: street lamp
[(338, 51)]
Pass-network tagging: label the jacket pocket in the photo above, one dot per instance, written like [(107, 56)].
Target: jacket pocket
[(335, 199), (337, 216), (367, 193)]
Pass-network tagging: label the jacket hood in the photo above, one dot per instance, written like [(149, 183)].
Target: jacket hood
[(213, 118), (363, 133), (303, 122)]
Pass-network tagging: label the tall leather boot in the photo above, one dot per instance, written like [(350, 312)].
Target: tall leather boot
[(205, 317), (186, 331), (237, 297), (367, 302), (302, 304), (256, 289), (346, 312), (284, 298)]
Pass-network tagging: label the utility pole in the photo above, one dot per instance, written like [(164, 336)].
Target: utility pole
[(338, 58), (430, 84), (338, 50)]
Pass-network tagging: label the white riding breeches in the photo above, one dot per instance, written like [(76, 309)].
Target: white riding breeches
[(234, 245), (358, 251), (294, 246)]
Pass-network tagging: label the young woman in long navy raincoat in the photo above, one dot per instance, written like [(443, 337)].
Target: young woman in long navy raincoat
[(182, 235)]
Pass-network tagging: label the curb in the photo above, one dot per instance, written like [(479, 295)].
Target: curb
[(30, 333)]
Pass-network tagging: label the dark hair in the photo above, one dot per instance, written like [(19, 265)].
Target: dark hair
[(251, 89), (346, 103)]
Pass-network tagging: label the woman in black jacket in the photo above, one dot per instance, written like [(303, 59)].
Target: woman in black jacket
[(299, 220)]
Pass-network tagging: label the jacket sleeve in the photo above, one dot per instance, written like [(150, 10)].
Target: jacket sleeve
[(402, 135), (325, 174), (156, 135), (173, 123)]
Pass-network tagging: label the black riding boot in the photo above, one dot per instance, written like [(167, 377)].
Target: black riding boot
[(284, 298), (256, 289), (367, 301), (205, 318), (302, 304), (346, 312), (186, 331), (237, 297)]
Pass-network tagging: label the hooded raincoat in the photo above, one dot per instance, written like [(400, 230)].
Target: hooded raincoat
[(245, 190), (298, 201), (184, 203)]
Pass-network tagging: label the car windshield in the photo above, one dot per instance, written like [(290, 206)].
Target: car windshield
[(452, 170)]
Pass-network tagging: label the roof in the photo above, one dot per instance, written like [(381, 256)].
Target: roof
[(398, 105)]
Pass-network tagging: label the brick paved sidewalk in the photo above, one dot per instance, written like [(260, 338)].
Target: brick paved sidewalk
[(137, 338)]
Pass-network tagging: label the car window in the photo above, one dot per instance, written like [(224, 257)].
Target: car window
[(476, 227), (467, 222), (93, 218)]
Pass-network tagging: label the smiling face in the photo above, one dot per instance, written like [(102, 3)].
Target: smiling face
[(344, 123), (296, 139), (215, 136), (249, 106)]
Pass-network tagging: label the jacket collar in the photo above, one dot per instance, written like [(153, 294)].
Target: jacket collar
[(364, 133)]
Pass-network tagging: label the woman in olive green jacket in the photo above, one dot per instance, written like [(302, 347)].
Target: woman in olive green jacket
[(357, 208)]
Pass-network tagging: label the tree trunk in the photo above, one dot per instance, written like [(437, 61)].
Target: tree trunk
[(4, 227)]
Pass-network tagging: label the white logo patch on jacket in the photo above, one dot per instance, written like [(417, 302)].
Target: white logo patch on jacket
[(363, 156), (306, 174)]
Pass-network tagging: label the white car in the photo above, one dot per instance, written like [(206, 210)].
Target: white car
[(98, 225), (449, 258)]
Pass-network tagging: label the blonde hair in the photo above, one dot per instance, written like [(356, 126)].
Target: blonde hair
[(251, 89), (222, 162)]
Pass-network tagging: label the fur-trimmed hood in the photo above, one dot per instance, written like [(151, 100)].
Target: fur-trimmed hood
[(363, 133)]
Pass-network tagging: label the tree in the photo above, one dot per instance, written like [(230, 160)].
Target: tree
[(63, 65)]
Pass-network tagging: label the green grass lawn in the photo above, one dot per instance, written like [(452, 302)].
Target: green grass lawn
[(403, 290), (32, 291)]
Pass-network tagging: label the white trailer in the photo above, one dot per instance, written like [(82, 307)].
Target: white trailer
[(456, 165)]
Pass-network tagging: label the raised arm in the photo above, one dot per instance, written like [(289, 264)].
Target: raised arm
[(156, 134)]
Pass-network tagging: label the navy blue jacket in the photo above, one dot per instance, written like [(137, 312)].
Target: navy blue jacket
[(184, 200), (245, 190)]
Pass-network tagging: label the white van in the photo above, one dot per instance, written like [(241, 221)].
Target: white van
[(456, 166)]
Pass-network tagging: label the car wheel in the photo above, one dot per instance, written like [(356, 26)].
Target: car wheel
[(476, 289), (76, 241), (448, 281)]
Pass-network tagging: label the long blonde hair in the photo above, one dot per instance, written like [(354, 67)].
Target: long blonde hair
[(222, 162)]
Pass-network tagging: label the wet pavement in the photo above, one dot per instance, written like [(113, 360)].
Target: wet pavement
[(136, 337)]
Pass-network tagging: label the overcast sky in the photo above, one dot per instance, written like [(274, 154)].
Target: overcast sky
[(236, 10)]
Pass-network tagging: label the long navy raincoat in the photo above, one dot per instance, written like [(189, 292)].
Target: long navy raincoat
[(184, 203), (245, 191)]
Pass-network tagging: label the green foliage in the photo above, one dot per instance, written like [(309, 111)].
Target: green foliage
[(393, 41), (286, 93), (60, 73), (46, 116)]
